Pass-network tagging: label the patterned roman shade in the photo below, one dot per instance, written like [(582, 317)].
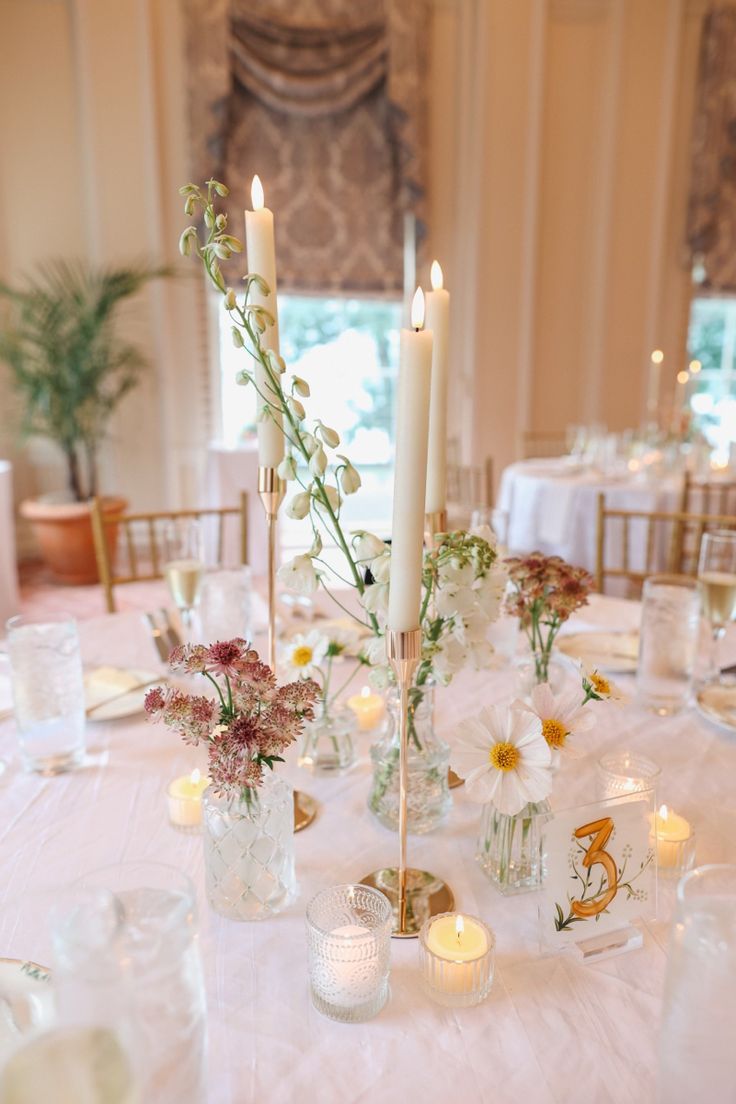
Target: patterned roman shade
[(325, 100)]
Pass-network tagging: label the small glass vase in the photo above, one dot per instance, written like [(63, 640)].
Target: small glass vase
[(428, 798), (510, 848), (535, 667), (327, 744), (249, 850)]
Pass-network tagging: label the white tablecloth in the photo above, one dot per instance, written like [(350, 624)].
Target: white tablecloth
[(552, 508), (8, 567), (552, 1030)]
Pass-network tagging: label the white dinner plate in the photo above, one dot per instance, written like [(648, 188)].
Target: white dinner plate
[(617, 652), (26, 1000), (111, 682), (717, 702)]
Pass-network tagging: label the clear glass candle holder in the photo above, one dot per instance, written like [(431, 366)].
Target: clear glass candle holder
[(349, 938), (625, 772), (674, 839), (457, 955)]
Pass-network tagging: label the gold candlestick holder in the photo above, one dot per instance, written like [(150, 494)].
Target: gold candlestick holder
[(271, 490), (414, 894), (434, 523)]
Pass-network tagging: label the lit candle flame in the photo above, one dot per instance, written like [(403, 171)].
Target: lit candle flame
[(256, 193), (195, 776), (365, 692), (435, 275), (459, 927), (663, 812), (657, 356), (683, 377), (695, 367), (417, 309)]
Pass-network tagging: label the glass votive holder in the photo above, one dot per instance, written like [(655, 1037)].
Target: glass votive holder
[(625, 772), (457, 954), (184, 801), (349, 939), (674, 839)]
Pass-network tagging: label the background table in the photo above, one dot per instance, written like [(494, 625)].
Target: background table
[(552, 508), (552, 1030)]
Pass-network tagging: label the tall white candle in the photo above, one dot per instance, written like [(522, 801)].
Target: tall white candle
[(437, 322), (410, 473), (259, 237)]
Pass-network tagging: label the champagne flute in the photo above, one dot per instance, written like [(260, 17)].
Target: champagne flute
[(184, 564), (717, 580)]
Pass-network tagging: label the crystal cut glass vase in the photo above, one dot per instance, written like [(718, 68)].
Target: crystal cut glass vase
[(428, 798), (510, 848), (249, 851)]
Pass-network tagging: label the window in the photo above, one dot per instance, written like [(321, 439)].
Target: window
[(712, 395), (348, 351)]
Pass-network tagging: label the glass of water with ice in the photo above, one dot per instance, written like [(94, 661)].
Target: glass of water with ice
[(48, 691), (670, 623), (697, 1060), (225, 604)]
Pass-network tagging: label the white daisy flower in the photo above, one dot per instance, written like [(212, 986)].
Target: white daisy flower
[(563, 718), (603, 688), (504, 758), (302, 656)]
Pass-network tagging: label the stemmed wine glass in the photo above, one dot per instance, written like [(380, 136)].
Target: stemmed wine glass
[(184, 564), (717, 580)]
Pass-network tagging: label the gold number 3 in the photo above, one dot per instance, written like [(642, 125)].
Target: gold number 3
[(601, 831)]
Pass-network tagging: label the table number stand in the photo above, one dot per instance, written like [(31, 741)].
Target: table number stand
[(414, 894)]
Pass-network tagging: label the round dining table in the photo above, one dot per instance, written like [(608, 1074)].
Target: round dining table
[(553, 1029), (551, 506)]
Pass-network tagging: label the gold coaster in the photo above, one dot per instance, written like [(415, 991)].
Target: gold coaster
[(426, 895), (454, 780), (305, 810)]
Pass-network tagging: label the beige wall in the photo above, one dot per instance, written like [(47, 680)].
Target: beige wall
[(558, 180), (571, 121)]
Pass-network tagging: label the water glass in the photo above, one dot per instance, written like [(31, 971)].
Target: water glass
[(48, 692), (697, 1059), (349, 936), (670, 623), (717, 581), (225, 605), (126, 960)]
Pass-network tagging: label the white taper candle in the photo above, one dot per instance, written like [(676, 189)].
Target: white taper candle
[(437, 322), (410, 472), (259, 238)]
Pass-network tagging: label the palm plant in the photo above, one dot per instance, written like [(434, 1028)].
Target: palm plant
[(68, 363)]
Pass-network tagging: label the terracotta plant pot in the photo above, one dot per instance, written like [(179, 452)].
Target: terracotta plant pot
[(64, 534)]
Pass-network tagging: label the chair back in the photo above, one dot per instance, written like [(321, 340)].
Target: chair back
[(468, 486), (136, 540)]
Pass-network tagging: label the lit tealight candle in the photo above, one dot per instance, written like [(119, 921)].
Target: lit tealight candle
[(368, 708), (457, 959), (674, 840), (184, 798)]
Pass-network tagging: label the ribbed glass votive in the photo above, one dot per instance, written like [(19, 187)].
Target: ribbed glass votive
[(625, 772), (349, 936), (457, 955)]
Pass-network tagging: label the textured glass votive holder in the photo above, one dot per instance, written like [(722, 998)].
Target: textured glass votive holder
[(461, 975), (674, 840), (625, 772), (349, 938)]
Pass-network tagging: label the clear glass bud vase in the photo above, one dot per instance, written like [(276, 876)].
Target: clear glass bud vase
[(327, 744), (249, 850), (510, 848), (428, 799), (534, 668)]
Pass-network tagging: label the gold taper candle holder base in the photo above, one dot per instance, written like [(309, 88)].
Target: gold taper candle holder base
[(426, 895), (271, 491), (434, 523), (414, 894), (305, 810), (454, 780)]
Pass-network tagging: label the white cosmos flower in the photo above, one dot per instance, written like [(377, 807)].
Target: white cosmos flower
[(603, 687), (504, 758), (299, 575), (301, 657), (563, 718)]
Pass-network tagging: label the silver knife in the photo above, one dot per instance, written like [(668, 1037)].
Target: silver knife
[(173, 640), (158, 638)]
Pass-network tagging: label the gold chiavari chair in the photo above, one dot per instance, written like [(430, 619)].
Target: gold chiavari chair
[(142, 542), (540, 444), (468, 486), (657, 549), (700, 496)]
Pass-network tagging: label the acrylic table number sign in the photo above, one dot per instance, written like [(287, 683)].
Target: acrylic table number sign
[(600, 876)]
